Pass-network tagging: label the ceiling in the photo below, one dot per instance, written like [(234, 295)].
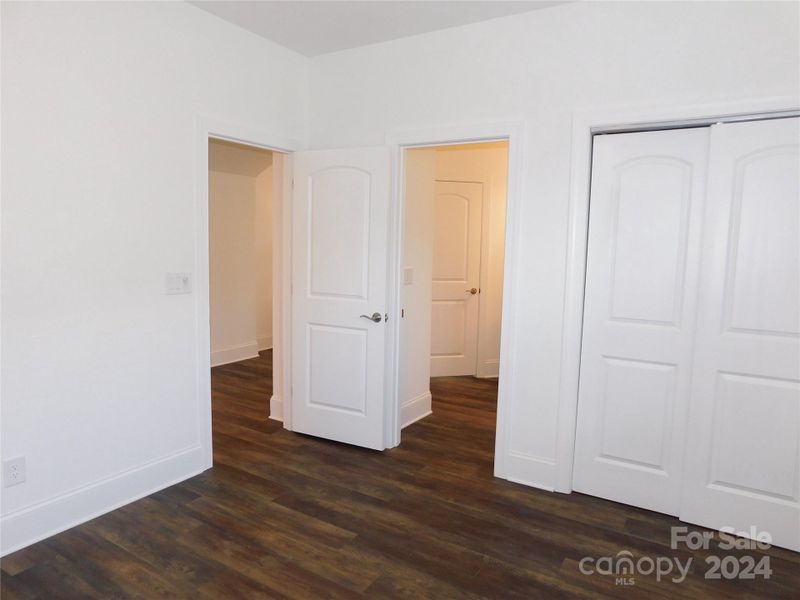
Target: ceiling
[(238, 159), (313, 27)]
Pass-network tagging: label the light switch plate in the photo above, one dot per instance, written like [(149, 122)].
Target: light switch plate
[(408, 275), (178, 283)]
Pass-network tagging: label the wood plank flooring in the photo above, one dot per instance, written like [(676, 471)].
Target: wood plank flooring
[(282, 515)]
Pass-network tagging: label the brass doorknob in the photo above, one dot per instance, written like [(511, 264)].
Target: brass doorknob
[(472, 291)]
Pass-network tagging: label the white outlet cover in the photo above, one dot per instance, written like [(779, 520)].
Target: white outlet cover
[(178, 283), (408, 275), (13, 471)]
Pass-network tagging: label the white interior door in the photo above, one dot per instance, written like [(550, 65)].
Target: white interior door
[(641, 285), (743, 452), (339, 256), (457, 214)]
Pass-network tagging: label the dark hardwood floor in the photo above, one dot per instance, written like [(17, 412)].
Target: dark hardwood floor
[(282, 515)]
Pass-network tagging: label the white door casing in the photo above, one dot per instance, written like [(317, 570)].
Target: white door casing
[(639, 315), (457, 216), (743, 451), (339, 259)]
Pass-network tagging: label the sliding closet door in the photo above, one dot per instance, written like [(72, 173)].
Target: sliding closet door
[(639, 315), (743, 452)]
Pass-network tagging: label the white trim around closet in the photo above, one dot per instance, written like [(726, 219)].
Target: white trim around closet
[(585, 124)]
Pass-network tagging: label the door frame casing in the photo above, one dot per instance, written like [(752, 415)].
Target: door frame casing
[(399, 141), (207, 128), (585, 124)]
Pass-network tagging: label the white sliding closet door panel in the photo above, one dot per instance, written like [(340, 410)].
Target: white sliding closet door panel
[(639, 315), (743, 452)]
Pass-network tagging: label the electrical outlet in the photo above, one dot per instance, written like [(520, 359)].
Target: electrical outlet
[(13, 471), (178, 283)]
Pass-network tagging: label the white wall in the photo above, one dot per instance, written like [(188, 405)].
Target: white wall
[(540, 67), (415, 327), (99, 371), (488, 164), (232, 266), (263, 267), (240, 251)]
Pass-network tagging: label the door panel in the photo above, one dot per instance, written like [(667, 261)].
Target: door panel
[(339, 210), (337, 361), (643, 392), (649, 236), (456, 270), (743, 450), (641, 282), (339, 228)]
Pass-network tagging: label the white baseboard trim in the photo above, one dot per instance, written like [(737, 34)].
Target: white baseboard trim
[(264, 343), (526, 469), (33, 523), (415, 409), (276, 408), (234, 354), (488, 369)]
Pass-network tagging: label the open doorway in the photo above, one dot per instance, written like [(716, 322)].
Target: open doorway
[(452, 287), (242, 284), (240, 251)]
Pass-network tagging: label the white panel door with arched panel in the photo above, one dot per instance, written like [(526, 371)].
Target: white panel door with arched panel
[(339, 282), (743, 451), (639, 315), (457, 222)]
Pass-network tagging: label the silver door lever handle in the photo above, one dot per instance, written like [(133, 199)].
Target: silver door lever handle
[(376, 317)]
